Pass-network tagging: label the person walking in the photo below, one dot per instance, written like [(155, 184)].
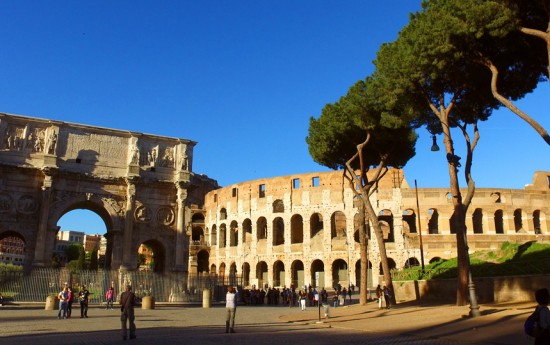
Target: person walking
[(387, 296), (83, 297), (70, 300), (127, 303), (379, 295), (63, 297), (109, 296), (231, 309)]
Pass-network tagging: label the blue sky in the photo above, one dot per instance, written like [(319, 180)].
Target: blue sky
[(242, 78)]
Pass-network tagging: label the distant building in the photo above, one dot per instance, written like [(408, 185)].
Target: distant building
[(63, 240), (92, 242), (12, 251)]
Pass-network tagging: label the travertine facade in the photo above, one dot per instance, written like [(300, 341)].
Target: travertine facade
[(141, 185), (302, 229)]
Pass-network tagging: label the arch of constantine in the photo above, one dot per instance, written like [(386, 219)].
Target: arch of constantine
[(298, 229), (141, 185)]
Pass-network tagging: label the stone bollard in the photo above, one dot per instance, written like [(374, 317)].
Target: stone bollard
[(148, 302), (206, 298), (51, 303)]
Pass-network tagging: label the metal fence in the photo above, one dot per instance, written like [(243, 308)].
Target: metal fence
[(165, 287)]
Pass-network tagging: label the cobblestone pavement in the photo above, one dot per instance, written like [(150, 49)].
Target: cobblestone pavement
[(427, 325)]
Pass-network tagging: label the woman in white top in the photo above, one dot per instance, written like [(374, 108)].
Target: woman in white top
[(231, 308)]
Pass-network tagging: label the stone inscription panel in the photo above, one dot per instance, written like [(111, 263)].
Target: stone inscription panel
[(93, 146)]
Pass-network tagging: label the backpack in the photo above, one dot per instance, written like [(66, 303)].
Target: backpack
[(532, 326)]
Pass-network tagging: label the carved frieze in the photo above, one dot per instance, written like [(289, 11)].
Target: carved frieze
[(165, 215), (143, 214), (23, 138), (156, 155)]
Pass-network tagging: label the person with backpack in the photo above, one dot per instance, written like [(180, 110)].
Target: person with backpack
[(538, 323)]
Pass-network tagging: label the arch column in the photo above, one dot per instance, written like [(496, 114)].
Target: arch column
[(40, 250), (181, 237), (128, 237)]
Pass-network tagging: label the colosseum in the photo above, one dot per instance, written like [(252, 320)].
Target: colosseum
[(302, 229)]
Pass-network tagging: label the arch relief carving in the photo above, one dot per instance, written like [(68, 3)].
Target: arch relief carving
[(5, 202), (27, 204)]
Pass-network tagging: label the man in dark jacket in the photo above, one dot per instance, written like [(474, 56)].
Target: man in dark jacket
[(127, 303)]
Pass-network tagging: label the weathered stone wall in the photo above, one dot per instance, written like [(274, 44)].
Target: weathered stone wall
[(489, 290)]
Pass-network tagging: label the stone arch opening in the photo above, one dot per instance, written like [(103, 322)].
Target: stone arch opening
[(340, 273), (278, 231), (261, 274), (99, 222), (223, 236), (433, 221), (197, 234), (214, 235), (391, 263), (358, 272), (518, 220), (233, 274), (221, 271), (247, 231), (223, 214), (409, 221), (296, 229), (477, 220), (499, 222), (317, 274), (13, 249), (278, 273), (213, 269), (202, 261), (197, 218), (246, 274), (338, 225), (155, 256), (412, 262), (385, 219), (297, 271), (315, 225), (536, 222), (233, 233), (435, 259), (261, 228)]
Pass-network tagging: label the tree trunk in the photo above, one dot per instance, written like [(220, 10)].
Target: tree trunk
[(508, 104), (380, 240), (363, 288)]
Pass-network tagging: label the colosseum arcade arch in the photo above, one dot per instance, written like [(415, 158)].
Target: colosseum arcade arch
[(262, 274), (141, 185), (317, 274), (203, 258), (340, 273), (297, 271), (278, 273)]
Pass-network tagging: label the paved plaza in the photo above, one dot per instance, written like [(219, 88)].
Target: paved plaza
[(168, 324)]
